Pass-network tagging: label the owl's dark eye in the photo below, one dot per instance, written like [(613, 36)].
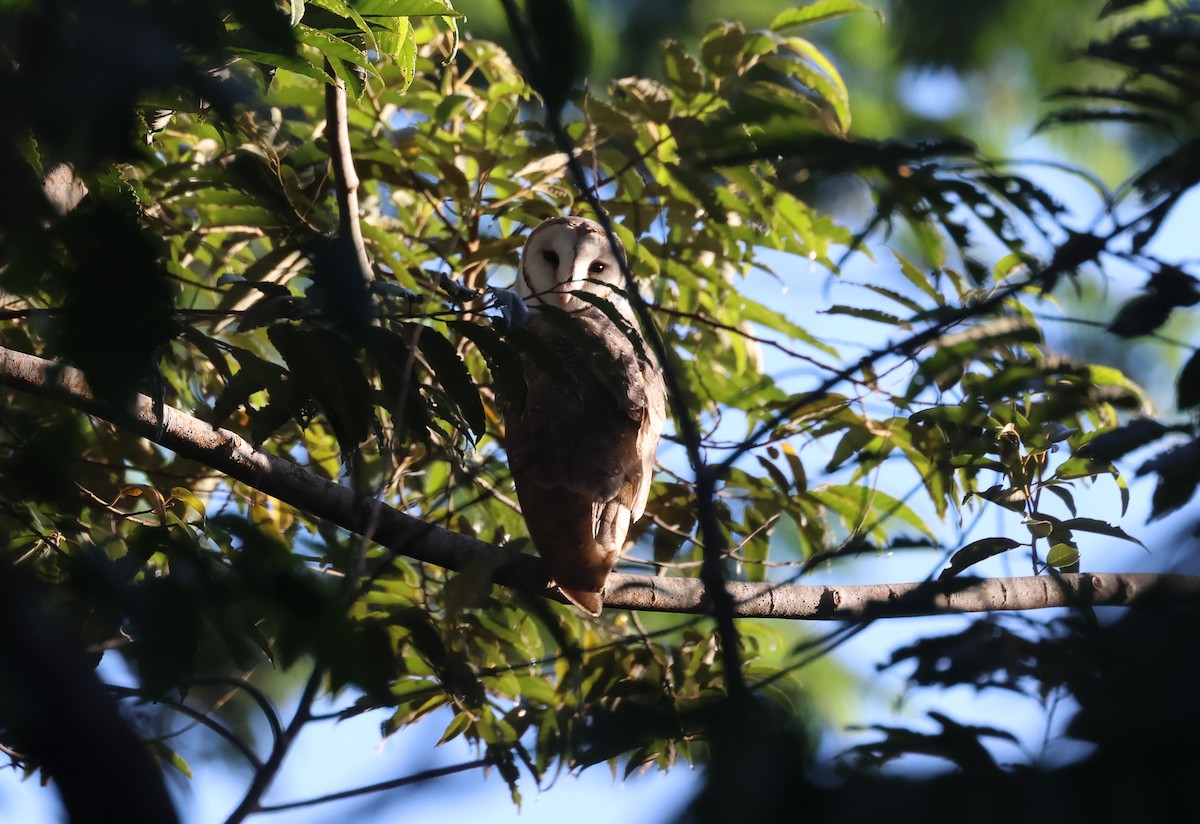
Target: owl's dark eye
[(597, 267), (551, 257)]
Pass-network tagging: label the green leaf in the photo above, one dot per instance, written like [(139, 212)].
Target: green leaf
[(325, 365), (1014, 498), (918, 278), (1100, 528), (1062, 555), (859, 505), (399, 43), (868, 314), (169, 756), (453, 376), (681, 69), (856, 438), (503, 362), (190, 498), (457, 726), (335, 48), (975, 552), (1062, 494), (341, 9), (815, 13), (405, 8), (750, 311), (826, 80), (297, 12)]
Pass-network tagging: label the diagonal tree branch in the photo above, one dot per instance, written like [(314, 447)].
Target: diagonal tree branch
[(228, 453)]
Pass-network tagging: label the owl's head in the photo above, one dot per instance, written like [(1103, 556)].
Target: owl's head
[(570, 254)]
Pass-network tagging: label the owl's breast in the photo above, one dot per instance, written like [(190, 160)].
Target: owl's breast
[(581, 423)]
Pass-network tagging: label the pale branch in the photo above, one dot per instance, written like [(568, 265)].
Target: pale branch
[(345, 176), (871, 601), (230, 454)]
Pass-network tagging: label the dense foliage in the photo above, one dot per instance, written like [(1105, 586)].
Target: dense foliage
[(212, 266)]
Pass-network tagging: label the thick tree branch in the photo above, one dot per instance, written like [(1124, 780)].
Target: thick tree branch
[(871, 601), (228, 453)]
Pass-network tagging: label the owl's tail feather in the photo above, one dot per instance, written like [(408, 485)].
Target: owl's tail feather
[(589, 602)]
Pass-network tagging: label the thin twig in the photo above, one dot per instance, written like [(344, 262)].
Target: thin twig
[(200, 716), (256, 695), (265, 775), (437, 772)]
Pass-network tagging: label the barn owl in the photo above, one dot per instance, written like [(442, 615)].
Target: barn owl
[(582, 445)]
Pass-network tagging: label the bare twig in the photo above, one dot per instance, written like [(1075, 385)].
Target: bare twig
[(202, 717), (265, 775), (425, 775)]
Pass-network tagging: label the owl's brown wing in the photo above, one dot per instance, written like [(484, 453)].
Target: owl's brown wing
[(582, 447)]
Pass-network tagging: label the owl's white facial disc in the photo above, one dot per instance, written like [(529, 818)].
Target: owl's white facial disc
[(564, 255)]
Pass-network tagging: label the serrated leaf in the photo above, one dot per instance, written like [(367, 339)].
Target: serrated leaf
[(868, 314), (1013, 498), (325, 364), (918, 278), (399, 44), (827, 81), (1100, 528), (453, 376), (405, 8), (343, 10), (681, 68), (815, 13), (502, 361)]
